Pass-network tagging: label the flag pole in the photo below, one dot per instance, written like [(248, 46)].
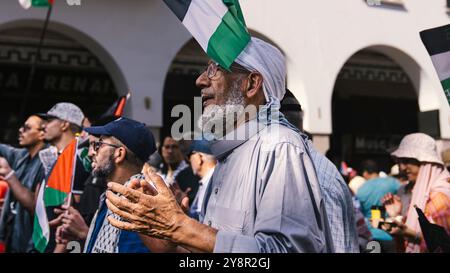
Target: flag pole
[(74, 164), (26, 95)]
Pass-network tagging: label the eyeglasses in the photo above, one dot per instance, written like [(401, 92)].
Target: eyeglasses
[(213, 67), (97, 144), (25, 128)]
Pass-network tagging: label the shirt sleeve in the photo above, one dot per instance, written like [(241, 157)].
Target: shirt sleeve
[(285, 219), (9, 153)]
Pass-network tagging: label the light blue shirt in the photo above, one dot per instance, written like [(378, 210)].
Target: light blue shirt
[(338, 203), (370, 194), (373, 190), (264, 195)]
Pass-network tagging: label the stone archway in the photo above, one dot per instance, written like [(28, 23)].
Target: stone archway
[(179, 86), (67, 71), (375, 103)]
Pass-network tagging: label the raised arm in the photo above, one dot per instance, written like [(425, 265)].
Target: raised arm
[(21, 193)]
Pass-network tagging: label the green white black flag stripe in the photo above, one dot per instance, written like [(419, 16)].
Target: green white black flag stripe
[(41, 232), (217, 25), (437, 43)]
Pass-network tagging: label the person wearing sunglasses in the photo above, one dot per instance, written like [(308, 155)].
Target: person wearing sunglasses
[(119, 154), (73, 221), (22, 169)]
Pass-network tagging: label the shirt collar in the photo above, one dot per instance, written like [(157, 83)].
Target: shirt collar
[(223, 147), (207, 176)]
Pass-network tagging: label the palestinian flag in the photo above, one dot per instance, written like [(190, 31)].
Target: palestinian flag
[(217, 25), (437, 43), (53, 193), (26, 4)]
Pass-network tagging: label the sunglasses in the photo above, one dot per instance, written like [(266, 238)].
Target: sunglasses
[(25, 128), (99, 143)]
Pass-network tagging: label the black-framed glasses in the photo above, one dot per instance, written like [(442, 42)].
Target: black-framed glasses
[(25, 128), (97, 144), (213, 67)]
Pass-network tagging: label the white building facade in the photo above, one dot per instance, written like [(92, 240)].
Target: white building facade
[(137, 42)]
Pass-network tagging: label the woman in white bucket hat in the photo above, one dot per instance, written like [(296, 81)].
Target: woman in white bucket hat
[(417, 156)]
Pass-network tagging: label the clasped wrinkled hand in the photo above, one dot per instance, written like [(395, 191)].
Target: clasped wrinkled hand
[(152, 211)]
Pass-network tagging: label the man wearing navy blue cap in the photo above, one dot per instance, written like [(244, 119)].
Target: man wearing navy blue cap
[(124, 145), (203, 163)]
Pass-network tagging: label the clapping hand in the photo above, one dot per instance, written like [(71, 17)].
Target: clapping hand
[(393, 204)]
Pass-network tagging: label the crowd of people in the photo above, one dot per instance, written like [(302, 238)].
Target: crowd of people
[(269, 190)]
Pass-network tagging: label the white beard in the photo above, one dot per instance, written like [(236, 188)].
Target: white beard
[(220, 119)]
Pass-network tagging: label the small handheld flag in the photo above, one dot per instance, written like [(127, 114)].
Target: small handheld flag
[(53, 192)]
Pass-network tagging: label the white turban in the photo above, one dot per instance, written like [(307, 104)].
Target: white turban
[(266, 59)]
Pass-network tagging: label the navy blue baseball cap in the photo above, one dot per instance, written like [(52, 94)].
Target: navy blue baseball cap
[(200, 146), (133, 134)]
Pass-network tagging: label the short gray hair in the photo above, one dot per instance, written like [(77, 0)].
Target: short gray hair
[(208, 157)]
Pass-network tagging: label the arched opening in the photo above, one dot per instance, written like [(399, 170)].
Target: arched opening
[(179, 87), (374, 105), (67, 71)]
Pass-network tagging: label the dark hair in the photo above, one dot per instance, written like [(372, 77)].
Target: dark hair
[(41, 120), (369, 166), (75, 128), (292, 110), (132, 159), (401, 176)]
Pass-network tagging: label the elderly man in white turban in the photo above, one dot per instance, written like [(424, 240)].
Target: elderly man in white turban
[(264, 195)]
